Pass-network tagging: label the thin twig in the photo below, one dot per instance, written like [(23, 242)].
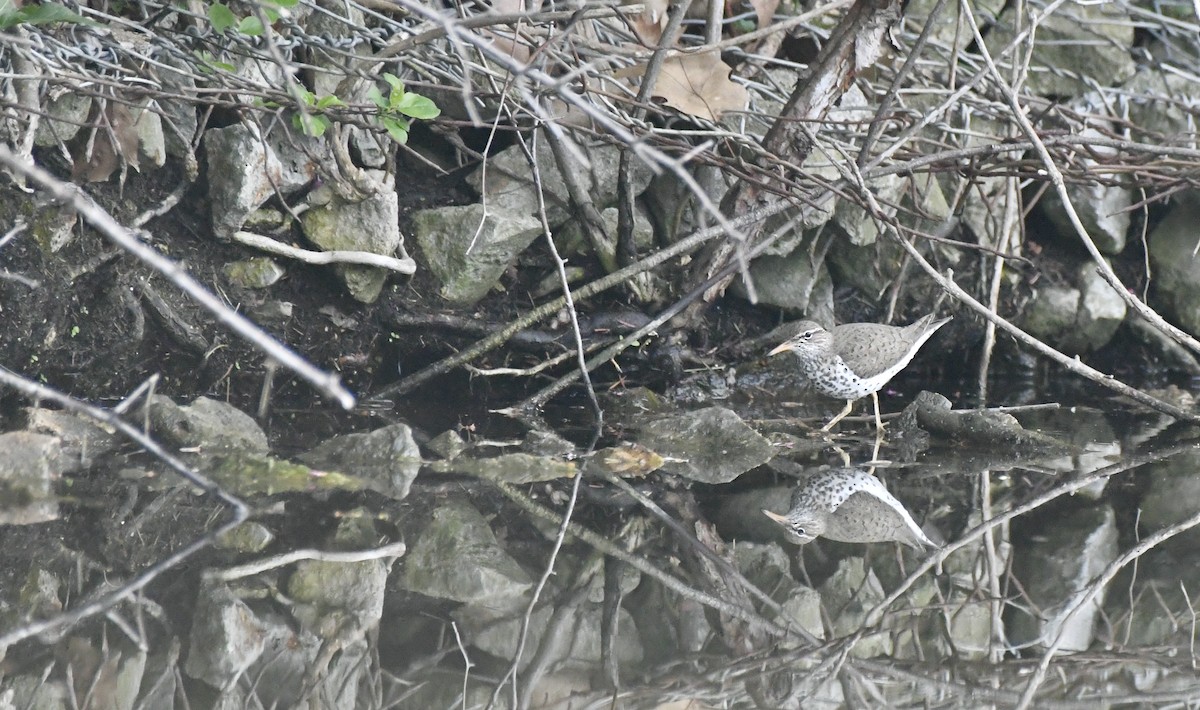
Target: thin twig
[(338, 256)]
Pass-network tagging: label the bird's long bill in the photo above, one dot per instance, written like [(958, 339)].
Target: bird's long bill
[(781, 348), (781, 519)]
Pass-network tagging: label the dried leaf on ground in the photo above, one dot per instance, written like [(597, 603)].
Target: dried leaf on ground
[(765, 10), (699, 85), (115, 140), (649, 25)]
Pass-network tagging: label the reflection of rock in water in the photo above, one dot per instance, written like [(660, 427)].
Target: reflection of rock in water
[(848, 505)]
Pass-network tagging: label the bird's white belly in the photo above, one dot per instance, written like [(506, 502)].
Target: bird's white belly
[(835, 379)]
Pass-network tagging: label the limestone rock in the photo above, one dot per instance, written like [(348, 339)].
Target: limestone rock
[(242, 172), (369, 225), (468, 247), (710, 445), (1066, 556)]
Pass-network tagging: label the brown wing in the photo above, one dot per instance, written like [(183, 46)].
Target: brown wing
[(869, 348)]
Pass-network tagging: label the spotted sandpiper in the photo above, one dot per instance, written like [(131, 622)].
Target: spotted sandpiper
[(856, 359), (848, 505)]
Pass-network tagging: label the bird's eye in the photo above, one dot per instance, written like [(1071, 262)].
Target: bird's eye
[(799, 530), (806, 334)]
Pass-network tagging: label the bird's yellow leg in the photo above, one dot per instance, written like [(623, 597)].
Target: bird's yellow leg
[(840, 416), (878, 427)]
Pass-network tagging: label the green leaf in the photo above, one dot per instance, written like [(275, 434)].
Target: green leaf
[(310, 124), (376, 97), (394, 82), (284, 3), (272, 14), (208, 62), (305, 96), (45, 14), (221, 17), (418, 106), (250, 26), (397, 128), (331, 100)]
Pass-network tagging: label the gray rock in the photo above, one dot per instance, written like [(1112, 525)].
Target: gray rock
[(273, 311), (1170, 498), (448, 444), (65, 115), (513, 468), (326, 594), (81, 441), (849, 595), (151, 142), (791, 282), (1051, 312), (336, 22), (374, 150), (710, 445), (571, 240), (996, 434), (299, 156), (1079, 317), (949, 28), (388, 456), (1162, 106), (1103, 209), (467, 248), (291, 660), (871, 268), (370, 225), (54, 227), (924, 205), (859, 226), (1175, 266), (979, 198), (955, 620), (740, 515), (541, 442), (178, 115), (162, 680), (1093, 442), (248, 537), (507, 184), (29, 465), (249, 473), (39, 597), (205, 423), (1101, 308), (255, 272), (440, 687), (37, 693), (226, 637), (1079, 41), (582, 648), (458, 558), (1068, 553), (768, 568), (242, 170), (1160, 612)]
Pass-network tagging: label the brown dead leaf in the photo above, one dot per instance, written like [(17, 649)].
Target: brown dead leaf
[(631, 460), (114, 140), (503, 40), (699, 85), (649, 25), (765, 10)]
